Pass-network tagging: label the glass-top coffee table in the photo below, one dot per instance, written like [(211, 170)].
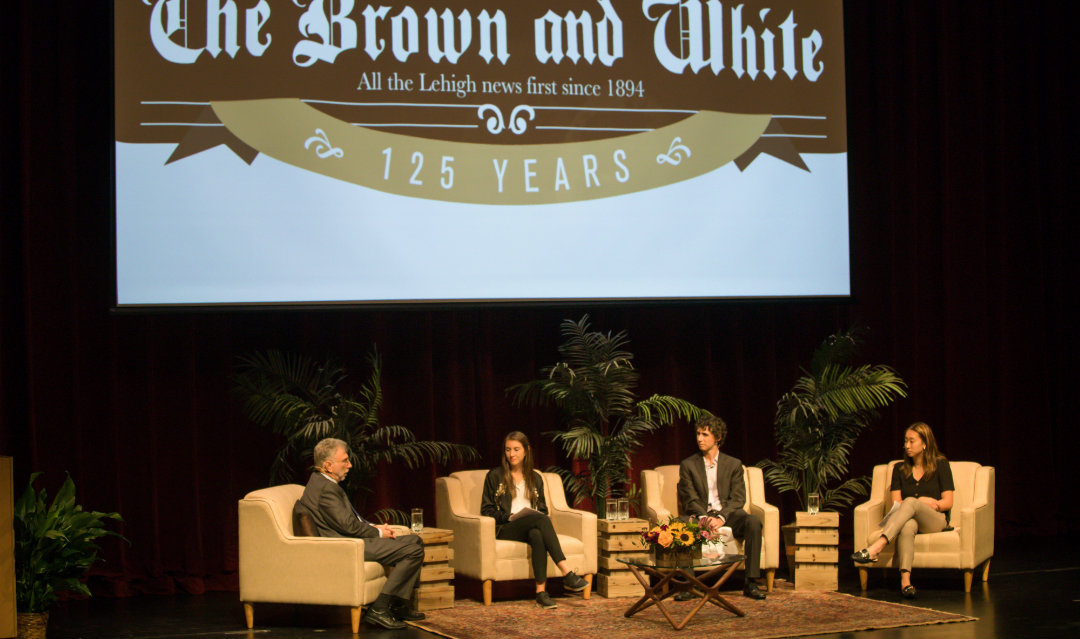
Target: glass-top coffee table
[(683, 578)]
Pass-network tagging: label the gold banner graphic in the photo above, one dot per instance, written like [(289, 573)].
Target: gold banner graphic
[(293, 132)]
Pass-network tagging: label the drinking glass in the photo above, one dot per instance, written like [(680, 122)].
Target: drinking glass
[(813, 503), (624, 509), (417, 519), (611, 509)]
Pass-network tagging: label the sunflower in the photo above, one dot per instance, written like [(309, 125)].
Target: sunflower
[(685, 537)]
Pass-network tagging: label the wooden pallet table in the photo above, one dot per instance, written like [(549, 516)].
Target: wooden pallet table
[(817, 552), (435, 588), (618, 539)]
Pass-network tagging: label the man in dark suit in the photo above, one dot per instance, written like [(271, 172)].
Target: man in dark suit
[(711, 487), (334, 516)]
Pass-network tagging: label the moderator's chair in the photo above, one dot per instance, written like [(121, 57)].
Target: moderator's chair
[(968, 544), (660, 497), (479, 555), (278, 566)]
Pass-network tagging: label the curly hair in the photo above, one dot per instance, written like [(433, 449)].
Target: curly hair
[(714, 425)]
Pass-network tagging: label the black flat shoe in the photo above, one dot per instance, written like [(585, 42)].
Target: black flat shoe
[(545, 601), (686, 595), (863, 557), (574, 583), (908, 592)]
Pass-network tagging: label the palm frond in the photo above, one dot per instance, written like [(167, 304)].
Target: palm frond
[(818, 421), (665, 410), (845, 494), (577, 487), (305, 401)]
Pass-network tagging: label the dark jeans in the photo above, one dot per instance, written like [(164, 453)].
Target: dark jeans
[(536, 530)]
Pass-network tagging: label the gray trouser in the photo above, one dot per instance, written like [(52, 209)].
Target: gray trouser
[(405, 554), (912, 517)]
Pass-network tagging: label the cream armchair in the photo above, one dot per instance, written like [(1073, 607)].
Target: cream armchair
[(479, 555), (277, 566), (660, 500), (970, 542)]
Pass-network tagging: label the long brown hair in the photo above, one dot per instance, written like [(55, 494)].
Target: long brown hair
[(526, 467), (931, 455)]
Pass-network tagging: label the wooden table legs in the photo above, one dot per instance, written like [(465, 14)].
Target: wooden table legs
[(673, 580)]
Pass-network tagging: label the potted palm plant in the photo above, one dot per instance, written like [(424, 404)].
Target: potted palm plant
[(55, 544), (593, 385), (818, 421), (304, 401)]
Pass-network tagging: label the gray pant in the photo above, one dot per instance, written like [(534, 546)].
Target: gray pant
[(912, 517), (405, 554)]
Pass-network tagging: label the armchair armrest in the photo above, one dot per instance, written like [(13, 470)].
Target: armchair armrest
[(283, 568), (474, 534), (867, 515), (977, 521), (652, 505), (571, 521), (770, 532)]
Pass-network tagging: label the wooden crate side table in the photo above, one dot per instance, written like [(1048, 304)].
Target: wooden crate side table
[(435, 588), (817, 552), (618, 539)]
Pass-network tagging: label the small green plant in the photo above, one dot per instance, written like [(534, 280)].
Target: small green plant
[(819, 419), (304, 401), (55, 544), (594, 386)]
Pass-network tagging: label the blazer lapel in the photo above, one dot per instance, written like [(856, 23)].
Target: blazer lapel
[(703, 480)]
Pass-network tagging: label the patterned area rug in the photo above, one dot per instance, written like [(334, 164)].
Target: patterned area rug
[(786, 613)]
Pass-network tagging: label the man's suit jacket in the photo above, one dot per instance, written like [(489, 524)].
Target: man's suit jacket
[(694, 487), (331, 511)]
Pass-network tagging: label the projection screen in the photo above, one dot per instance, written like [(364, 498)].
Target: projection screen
[(332, 151)]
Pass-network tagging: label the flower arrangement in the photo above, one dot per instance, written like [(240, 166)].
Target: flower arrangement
[(676, 534)]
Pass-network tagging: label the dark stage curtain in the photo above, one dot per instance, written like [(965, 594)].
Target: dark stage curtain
[(956, 122)]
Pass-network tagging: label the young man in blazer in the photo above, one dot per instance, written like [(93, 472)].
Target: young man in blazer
[(334, 516), (711, 487)]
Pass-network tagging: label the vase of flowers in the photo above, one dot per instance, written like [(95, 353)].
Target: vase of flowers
[(676, 542)]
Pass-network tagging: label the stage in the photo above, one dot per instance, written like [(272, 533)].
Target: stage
[(1034, 591)]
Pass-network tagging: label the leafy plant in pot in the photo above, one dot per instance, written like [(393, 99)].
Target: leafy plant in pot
[(818, 421), (304, 401), (594, 386), (55, 544)]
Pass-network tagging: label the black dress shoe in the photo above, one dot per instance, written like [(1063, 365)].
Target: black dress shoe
[(752, 591), (404, 612), (384, 618)]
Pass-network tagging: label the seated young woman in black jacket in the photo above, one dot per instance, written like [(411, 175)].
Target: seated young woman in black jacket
[(512, 487)]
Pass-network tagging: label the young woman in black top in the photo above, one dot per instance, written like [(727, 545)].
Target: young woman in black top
[(510, 488), (923, 486)]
